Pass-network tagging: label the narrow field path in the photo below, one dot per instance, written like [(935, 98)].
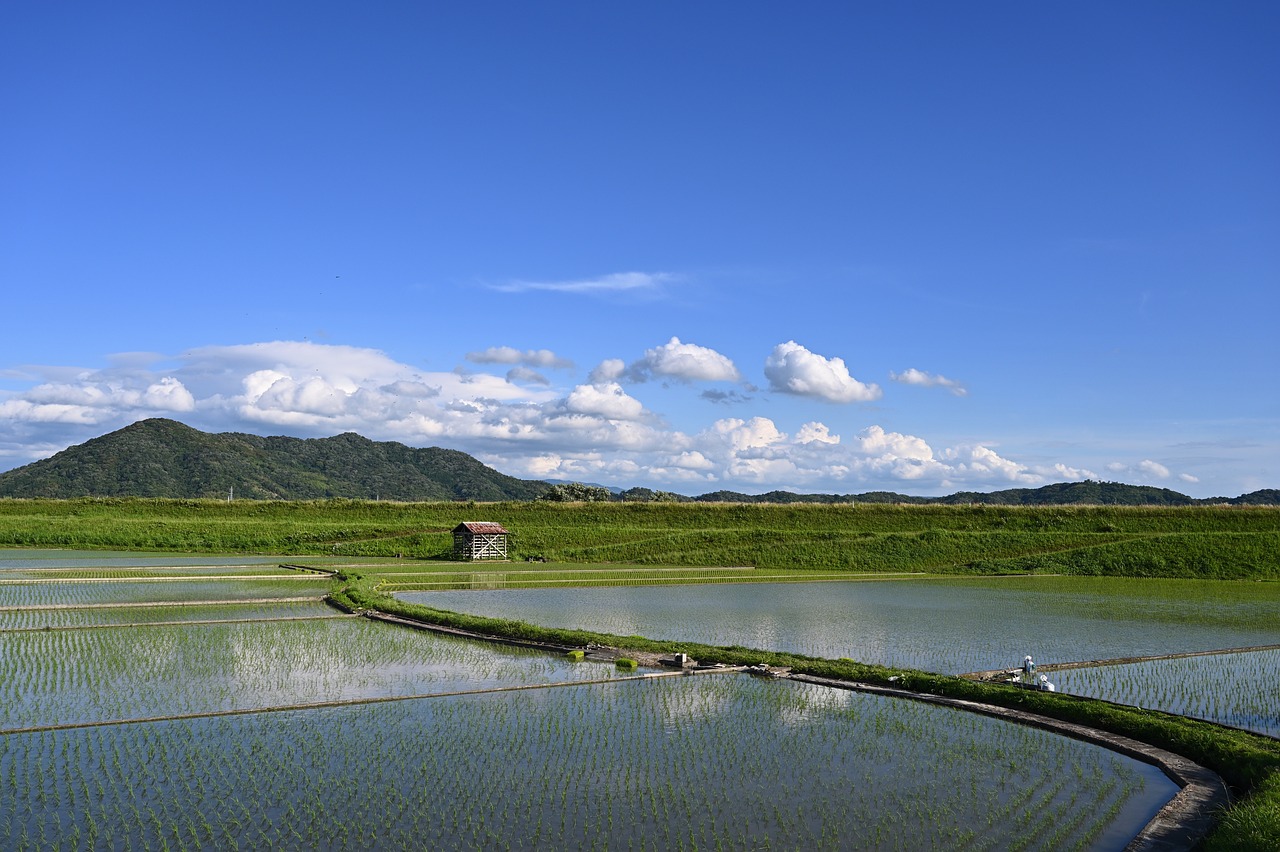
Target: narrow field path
[(196, 578), (350, 702), (179, 623), (151, 604), (1118, 661), (519, 582)]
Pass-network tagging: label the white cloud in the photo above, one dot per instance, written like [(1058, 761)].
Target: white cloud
[(1153, 469), (1065, 473), (609, 370), (618, 282), (609, 401), (685, 361), (515, 423), (793, 369), (99, 397), (746, 434), (541, 358), (876, 442), (1188, 478), (819, 433), (527, 376), (922, 379)]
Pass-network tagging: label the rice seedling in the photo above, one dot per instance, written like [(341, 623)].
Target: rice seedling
[(58, 677), (711, 762), (1242, 690), (66, 618)]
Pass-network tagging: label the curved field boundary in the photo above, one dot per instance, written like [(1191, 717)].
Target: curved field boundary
[(520, 582), (350, 702), (52, 628), (1118, 661), (1183, 822), (149, 604), (197, 578)]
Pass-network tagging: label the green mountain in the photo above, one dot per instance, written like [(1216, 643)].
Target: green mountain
[(164, 458)]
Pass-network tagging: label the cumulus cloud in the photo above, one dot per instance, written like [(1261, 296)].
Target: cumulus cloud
[(1065, 473), (919, 378), (1147, 469), (793, 369), (816, 433), (1153, 469), (100, 397), (608, 400), (685, 362), (618, 282), (609, 370), (747, 434)]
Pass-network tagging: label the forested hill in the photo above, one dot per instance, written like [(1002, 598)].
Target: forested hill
[(164, 458), (1087, 493)]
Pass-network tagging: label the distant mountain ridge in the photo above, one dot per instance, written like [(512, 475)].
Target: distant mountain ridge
[(165, 458)]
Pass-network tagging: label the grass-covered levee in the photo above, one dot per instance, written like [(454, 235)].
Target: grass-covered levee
[(1208, 542)]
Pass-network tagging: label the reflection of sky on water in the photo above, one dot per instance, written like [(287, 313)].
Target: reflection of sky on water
[(949, 625), (80, 676)]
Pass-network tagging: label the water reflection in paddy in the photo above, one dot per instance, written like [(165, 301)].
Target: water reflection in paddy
[(940, 624)]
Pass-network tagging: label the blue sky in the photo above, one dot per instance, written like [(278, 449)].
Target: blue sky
[(840, 247)]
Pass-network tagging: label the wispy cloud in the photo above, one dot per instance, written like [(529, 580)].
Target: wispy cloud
[(919, 378), (617, 282), (542, 358)]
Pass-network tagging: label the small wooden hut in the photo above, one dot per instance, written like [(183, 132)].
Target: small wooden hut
[(473, 540)]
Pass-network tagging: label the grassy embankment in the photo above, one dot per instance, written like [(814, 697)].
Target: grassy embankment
[(1205, 542)]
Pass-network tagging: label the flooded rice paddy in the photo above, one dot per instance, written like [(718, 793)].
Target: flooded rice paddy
[(116, 735)]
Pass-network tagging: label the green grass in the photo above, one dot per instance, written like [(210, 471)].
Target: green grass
[(1202, 541)]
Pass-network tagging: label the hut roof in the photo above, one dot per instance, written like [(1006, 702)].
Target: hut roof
[(481, 528)]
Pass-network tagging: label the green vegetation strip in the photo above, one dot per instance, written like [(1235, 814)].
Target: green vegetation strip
[(1249, 763), (1208, 542)]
